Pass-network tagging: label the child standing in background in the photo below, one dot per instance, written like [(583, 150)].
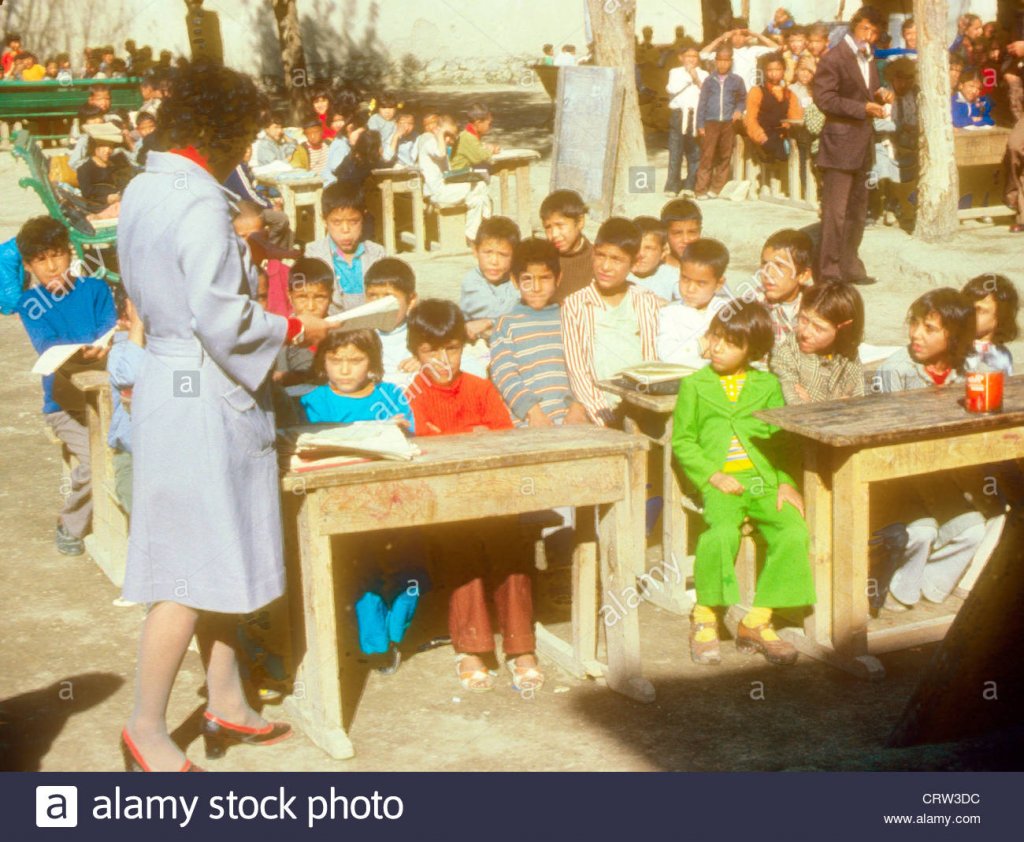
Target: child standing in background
[(819, 361), (995, 312), (743, 468), (722, 99)]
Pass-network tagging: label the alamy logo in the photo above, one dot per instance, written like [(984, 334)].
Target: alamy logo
[(56, 806)]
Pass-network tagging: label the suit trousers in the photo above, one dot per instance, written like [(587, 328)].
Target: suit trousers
[(844, 212), (786, 580), (715, 156)]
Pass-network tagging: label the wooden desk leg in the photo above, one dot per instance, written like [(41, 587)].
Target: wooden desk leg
[(387, 202), (418, 224), (503, 178), (850, 533), (818, 505), (288, 198), (524, 199), (316, 703), (621, 536), (98, 541)]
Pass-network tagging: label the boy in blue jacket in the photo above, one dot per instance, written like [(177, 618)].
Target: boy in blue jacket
[(740, 465), (59, 309), (723, 97)]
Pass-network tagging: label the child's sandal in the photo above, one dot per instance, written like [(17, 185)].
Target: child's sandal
[(475, 681), (525, 678)]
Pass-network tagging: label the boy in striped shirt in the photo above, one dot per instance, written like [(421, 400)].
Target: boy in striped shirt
[(527, 355)]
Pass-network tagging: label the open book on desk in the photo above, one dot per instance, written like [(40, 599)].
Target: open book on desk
[(55, 356), (314, 448)]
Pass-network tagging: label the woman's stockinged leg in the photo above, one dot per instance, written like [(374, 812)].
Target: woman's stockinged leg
[(166, 633), (218, 646)]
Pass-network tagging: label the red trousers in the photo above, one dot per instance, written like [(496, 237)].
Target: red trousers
[(490, 560)]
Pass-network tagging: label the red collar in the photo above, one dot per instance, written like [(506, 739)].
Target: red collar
[(472, 130), (937, 378), (193, 155)]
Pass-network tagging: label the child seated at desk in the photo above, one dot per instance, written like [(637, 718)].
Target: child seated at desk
[(348, 365), (392, 276), (785, 272), (404, 141), (650, 270), (447, 400), (610, 324), (563, 215), (684, 224), (683, 325), (820, 361), (344, 248), (274, 144), (123, 365), (943, 532), (971, 110), (527, 356), (743, 468), (383, 122), (995, 314), (487, 293), (312, 153), (58, 309), (470, 150)]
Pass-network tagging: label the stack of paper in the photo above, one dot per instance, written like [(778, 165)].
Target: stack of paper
[(347, 443), (54, 357)]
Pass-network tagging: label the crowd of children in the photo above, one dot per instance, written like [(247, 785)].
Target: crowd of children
[(21, 64)]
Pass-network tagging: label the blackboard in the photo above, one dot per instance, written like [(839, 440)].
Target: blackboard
[(588, 112)]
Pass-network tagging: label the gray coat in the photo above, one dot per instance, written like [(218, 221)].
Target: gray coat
[(206, 523)]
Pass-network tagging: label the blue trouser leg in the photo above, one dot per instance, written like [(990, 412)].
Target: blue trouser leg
[(691, 150)]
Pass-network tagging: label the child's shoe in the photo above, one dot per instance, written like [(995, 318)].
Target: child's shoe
[(763, 639), (705, 651), (68, 544)]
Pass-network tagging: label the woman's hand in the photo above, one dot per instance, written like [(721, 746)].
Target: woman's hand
[(315, 330)]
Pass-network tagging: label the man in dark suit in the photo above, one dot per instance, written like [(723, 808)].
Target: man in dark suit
[(848, 91)]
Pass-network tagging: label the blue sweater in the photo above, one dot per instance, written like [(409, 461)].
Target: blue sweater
[(964, 112), (480, 299), (83, 314), (325, 406), (720, 99)]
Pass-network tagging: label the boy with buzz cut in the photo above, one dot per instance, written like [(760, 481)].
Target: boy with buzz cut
[(392, 276), (59, 309), (344, 248), (486, 291), (683, 325), (684, 224), (650, 271), (527, 356), (610, 324), (564, 214), (743, 468)]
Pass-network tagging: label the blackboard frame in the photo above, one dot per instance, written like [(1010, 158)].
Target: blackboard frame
[(600, 206)]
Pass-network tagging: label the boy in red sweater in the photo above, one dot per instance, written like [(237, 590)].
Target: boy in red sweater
[(444, 400)]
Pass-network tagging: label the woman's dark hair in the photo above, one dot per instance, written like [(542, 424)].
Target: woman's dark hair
[(956, 311), (364, 339), (366, 151), (535, 250), (707, 252), (745, 324), (620, 232), (842, 306), (40, 235), (435, 322), (1004, 292), (214, 108), (393, 272)]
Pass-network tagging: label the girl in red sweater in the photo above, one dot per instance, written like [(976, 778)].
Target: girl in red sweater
[(444, 400)]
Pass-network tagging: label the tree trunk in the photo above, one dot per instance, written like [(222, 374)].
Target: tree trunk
[(296, 77), (613, 23), (939, 184), (745, 11)]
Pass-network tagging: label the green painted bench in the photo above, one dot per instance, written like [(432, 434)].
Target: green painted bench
[(54, 99), (82, 234)]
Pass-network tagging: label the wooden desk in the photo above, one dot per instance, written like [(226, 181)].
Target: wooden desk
[(394, 181), (981, 153), (516, 162), (107, 543), (847, 446), (299, 192), (651, 416), (463, 478)]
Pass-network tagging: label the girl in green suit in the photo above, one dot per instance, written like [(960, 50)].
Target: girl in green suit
[(740, 464)]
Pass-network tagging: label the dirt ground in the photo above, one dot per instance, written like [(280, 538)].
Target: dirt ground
[(67, 656)]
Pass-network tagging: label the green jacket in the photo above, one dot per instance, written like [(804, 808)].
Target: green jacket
[(705, 421), (469, 151)]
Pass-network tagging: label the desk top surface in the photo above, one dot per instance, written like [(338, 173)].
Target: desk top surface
[(508, 156), (662, 404), (474, 451), (91, 381), (293, 178), (900, 416)]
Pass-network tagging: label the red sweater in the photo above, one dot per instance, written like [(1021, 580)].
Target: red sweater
[(457, 407)]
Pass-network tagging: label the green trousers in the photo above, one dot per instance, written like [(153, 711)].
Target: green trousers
[(786, 580)]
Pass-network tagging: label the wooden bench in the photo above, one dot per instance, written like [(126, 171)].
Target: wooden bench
[(27, 148), (446, 228), (25, 101)]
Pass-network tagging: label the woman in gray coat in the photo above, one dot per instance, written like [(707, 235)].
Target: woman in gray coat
[(205, 538)]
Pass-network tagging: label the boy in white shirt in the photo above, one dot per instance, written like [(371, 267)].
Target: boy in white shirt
[(682, 325), (684, 83)]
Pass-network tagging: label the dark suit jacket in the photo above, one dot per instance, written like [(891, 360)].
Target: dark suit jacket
[(839, 91)]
